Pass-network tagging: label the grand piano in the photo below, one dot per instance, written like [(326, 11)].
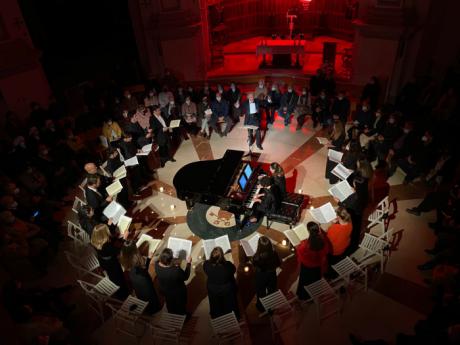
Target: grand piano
[(229, 182)]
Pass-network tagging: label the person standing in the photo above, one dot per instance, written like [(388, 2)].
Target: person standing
[(221, 284), (251, 110), (312, 256), (161, 133), (289, 100), (171, 278), (265, 261), (107, 255), (339, 234), (138, 267)]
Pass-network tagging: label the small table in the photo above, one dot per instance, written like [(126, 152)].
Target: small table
[(281, 51)]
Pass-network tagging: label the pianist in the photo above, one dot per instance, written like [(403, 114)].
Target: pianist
[(267, 201)]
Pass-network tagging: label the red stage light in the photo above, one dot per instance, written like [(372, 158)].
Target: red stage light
[(305, 4)]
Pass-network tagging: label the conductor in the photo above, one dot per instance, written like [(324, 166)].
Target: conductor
[(251, 110)]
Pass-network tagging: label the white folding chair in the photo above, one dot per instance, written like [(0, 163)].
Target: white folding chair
[(371, 250), (98, 294), (226, 329), (78, 235), (103, 168), (349, 271), (323, 296), (280, 311), (121, 156), (168, 329), (82, 186), (379, 216), (77, 204), (84, 265), (127, 317)]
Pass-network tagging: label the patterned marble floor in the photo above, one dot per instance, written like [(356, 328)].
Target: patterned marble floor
[(396, 299)]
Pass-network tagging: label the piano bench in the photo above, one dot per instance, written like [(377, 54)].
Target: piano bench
[(289, 212), (295, 199)]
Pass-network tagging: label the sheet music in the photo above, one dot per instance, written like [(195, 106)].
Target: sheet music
[(114, 210), (341, 172), (341, 190), (323, 214), (322, 141), (181, 248), (297, 234), (335, 156), (222, 241), (174, 124), (131, 162), (250, 246), (208, 112), (250, 127), (252, 108), (114, 188), (120, 172), (123, 224), (147, 148), (153, 243)]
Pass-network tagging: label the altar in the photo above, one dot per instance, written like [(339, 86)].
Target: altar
[(281, 53)]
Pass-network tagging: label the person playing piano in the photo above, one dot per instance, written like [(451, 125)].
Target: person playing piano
[(266, 201), (251, 110), (278, 178)]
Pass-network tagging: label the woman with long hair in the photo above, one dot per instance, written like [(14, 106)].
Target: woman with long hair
[(312, 257), (278, 178), (107, 255), (336, 139), (221, 284), (171, 278), (265, 262), (138, 267)]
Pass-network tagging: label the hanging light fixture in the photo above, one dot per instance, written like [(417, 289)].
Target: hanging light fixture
[(305, 4)]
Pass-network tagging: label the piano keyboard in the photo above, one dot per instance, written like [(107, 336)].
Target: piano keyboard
[(253, 193)]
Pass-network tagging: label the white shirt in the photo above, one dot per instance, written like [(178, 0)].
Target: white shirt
[(162, 121)]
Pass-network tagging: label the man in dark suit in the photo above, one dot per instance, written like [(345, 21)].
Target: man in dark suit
[(341, 107), (251, 111), (161, 132), (220, 116), (289, 100), (95, 197)]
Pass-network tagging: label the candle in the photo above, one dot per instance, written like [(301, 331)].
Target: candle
[(300, 191), (172, 206), (161, 189), (246, 269), (312, 207), (283, 242)]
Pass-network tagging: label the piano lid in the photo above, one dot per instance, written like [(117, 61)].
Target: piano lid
[(208, 177)]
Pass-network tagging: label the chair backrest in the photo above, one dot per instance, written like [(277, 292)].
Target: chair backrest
[(376, 217), (104, 169), (373, 244), (275, 301), (76, 233), (82, 186), (346, 267), (121, 156), (171, 321), (319, 288), (225, 324), (105, 287), (77, 203), (384, 205)]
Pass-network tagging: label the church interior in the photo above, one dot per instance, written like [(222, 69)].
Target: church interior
[(229, 172)]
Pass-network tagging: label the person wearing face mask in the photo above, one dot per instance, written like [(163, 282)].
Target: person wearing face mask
[(421, 160), (142, 117), (180, 96), (341, 107), (233, 95), (208, 92), (151, 98), (204, 116), (251, 110), (371, 92), (161, 133), (289, 100), (275, 97), (165, 96), (364, 116), (260, 91), (192, 94), (111, 130), (303, 107), (129, 102), (321, 113), (189, 115), (171, 111), (220, 119)]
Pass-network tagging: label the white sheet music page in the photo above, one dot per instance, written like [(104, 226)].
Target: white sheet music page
[(323, 214), (341, 190), (222, 241), (335, 156), (341, 172), (114, 211), (181, 248), (114, 188), (131, 162)]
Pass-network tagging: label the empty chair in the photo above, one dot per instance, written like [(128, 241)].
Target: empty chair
[(85, 265), (227, 329), (127, 317), (77, 203), (324, 296), (168, 329), (371, 250), (79, 236), (280, 311), (98, 294), (379, 217), (349, 271)]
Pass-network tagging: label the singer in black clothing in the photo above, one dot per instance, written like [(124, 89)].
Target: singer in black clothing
[(95, 197), (265, 261), (221, 284), (141, 281), (172, 279)]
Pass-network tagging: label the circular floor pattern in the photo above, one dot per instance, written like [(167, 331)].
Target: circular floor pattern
[(210, 222)]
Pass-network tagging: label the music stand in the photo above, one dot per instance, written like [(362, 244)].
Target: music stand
[(250, 153)]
